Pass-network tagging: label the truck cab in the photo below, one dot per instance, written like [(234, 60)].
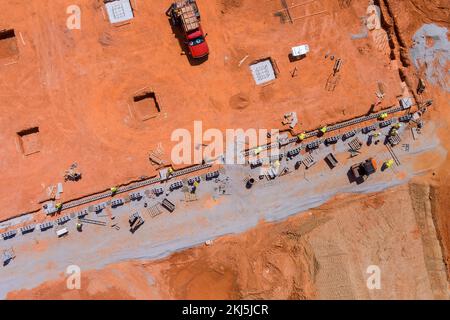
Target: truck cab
[(198, 48)]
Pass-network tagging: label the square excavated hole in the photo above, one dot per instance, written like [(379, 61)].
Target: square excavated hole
[(146, 105), (29, 140), (8, 43)]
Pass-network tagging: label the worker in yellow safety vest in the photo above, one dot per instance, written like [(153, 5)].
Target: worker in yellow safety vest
[(397, 125), (196, 184), (170, 170), (302, 136), (114, 189), (376, 134), (323, 129), (258, 151), (79, 226), (58, 206), (383, 116), (389, 163)]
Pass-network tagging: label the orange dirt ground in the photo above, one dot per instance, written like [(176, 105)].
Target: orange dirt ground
[(77, 86), (281, 260)]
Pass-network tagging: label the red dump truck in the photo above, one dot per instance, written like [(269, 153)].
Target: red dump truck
[(185, 14)]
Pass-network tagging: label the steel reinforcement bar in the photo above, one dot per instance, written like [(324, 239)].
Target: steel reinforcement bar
[(334, 127), (132, 186)]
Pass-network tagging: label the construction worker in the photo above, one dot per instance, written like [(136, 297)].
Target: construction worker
[(383, 116), (323, 129), (302, 136), (388, 164), (170, 171), (196, 184), (376, 134), (58, 206), (79, 226), (276, 164), (114, 189), (397, 126)]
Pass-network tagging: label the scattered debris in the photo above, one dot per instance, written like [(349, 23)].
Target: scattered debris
[(8, 256), (72, 174), (243, 60), (290, 119)]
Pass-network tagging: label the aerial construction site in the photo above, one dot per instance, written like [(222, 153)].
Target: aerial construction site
[(225, 149)]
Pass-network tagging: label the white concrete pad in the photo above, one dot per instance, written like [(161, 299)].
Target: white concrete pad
[(262, 72), (119, 11)]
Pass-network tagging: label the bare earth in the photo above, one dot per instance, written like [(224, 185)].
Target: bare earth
[(75, 85)]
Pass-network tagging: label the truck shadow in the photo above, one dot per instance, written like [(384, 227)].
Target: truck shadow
[(179, 35)]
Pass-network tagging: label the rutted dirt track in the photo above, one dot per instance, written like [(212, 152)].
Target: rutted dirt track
[(321, 254)]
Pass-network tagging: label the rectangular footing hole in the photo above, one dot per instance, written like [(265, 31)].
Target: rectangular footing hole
[(29, 140), (8, 43), (146, 105)]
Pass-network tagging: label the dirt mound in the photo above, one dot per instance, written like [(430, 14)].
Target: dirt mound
[(228, 5), (240, 101)]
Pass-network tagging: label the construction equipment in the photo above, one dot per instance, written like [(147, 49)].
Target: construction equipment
[(185, 13), (361, 171)]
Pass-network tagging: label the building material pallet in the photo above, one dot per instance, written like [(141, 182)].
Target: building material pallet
[(355, 144), (154, 210), (309, 161)]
